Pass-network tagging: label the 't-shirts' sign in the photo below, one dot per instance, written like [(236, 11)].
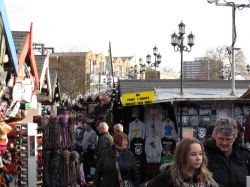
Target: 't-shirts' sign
[(139, 98)]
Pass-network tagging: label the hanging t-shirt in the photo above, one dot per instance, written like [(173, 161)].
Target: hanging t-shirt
[(168, 146), (153, 149), (153, 120), (168, 129), (137, 146), (166, 159), (136, 129)]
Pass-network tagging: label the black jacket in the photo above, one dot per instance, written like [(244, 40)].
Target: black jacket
[(105, 141), (228, 171), (164, 179), (106, 174)]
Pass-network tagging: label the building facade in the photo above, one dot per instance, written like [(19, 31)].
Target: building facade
[(202, 69), (87, 72)]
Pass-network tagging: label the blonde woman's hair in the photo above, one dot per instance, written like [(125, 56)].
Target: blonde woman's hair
[(179, 167)]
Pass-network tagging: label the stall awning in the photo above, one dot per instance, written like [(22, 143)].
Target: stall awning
[(8, 35), (23, 41), (193, 94), (194, 90)]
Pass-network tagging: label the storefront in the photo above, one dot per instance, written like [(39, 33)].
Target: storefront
[(167, 114)]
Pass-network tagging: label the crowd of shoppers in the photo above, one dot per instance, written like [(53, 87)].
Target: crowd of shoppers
[(219, 161)]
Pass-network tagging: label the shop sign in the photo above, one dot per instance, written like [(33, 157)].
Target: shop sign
[(138, 98)]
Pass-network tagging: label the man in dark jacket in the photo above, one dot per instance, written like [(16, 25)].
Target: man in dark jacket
[(105, 140), (228, 161)]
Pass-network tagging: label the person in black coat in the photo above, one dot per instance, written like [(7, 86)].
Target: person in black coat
[(106, 174), (228, 161), (189, 168)]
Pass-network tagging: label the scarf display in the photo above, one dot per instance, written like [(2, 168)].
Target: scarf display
[(61, 164), (54, 133), (63, 121), (74, 168), (71, 133)]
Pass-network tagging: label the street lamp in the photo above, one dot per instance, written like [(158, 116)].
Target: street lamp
[(177, 42), (142, 68), (109, 81), (234, 35), (132, 74), (157, 61), (248, 68)]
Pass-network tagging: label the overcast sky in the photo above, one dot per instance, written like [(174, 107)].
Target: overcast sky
[(134, 27)]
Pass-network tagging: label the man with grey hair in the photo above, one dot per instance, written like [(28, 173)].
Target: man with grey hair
[(118, 128), (105, 140), (227, 159)]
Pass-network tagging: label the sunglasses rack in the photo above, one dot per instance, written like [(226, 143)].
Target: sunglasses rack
[(26, 155), (39, 140)]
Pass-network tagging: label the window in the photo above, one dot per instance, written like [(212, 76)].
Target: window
[(119, 71)]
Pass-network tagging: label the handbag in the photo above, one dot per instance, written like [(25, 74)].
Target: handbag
[(123, 183)]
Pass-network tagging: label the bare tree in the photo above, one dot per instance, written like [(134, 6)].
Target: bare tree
[(168, 70), (72, 74), (220, 62)]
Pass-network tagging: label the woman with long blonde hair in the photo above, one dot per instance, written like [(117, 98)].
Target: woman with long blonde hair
[(189, 168)]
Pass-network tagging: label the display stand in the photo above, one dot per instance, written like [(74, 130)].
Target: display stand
[(26, 154)]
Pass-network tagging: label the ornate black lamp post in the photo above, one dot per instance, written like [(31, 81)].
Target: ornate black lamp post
[(132, 74), (177, 42), (142, 68), (157, 61), (248, 68)]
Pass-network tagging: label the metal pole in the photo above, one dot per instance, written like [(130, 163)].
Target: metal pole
[(111, 64), (181, 93), (234, 7), (155, 67), (99, 82), (233, 42), (181, 51), (208, 70)]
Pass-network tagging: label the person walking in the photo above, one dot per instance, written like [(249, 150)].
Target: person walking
[(105, 140), (188, 168), (117, 164), (88, 147), (227, 159)]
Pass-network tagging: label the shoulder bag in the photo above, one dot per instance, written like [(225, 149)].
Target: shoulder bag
[(123, 183)]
